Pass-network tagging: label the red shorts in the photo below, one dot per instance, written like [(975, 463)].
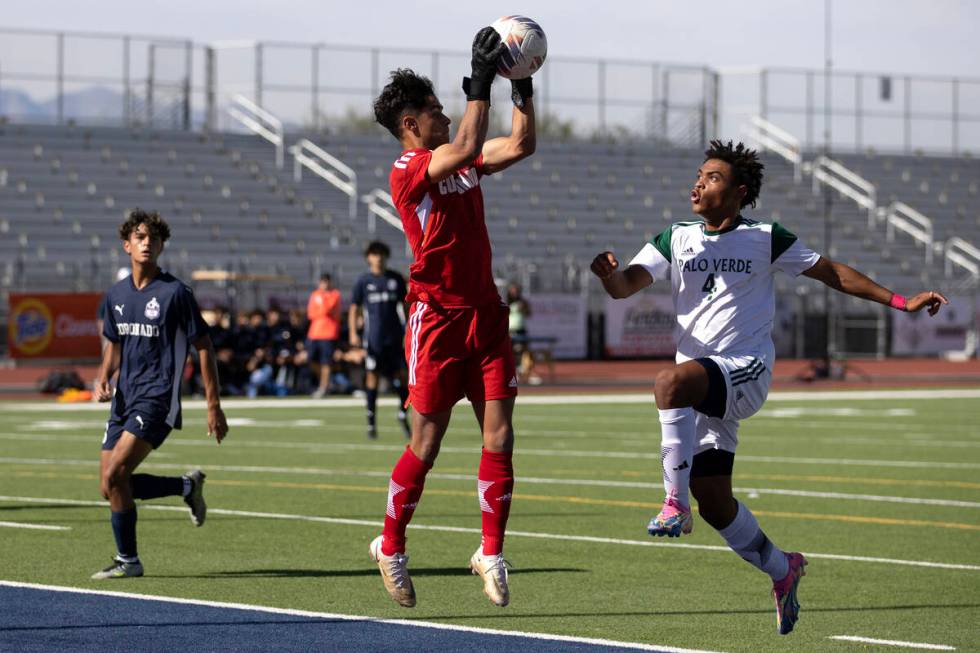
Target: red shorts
[(457, 352)]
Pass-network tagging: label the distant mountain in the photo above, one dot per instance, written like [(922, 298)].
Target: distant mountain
[(91, 104)]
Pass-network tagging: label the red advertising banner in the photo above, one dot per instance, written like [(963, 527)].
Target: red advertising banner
[(54, 325)]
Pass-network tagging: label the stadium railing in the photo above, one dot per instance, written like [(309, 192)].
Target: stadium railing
[(778, 140), (260, 122), (899, 216), (307, 154), (847, 182), (964, 254)]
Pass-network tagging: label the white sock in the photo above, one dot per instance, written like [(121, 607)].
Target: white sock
[(746, 539), (188, 485), (677, 433)]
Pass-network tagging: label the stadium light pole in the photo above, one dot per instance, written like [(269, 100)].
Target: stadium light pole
[(828, 199)]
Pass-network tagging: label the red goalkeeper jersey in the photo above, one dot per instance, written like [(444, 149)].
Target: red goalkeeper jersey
[(447, 231)]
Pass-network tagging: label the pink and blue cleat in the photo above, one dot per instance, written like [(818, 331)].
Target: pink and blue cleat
[(673, 520), (784, 593)]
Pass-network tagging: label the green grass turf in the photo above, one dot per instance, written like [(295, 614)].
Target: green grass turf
[(663, 595)]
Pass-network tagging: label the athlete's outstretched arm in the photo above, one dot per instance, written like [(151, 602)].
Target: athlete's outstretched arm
[(620, 284), (472, 132), (217, 425), (108, 368), (500, 153), (851, 282)]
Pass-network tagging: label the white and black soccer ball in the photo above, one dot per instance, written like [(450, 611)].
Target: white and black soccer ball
[(526, 44)]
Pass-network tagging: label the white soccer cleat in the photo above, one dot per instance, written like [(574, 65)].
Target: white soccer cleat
[(394, 573), (493, 571), (120, 569)]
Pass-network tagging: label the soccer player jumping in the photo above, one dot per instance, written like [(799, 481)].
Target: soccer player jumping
[(149, 320), (721, 269), (457, 341)]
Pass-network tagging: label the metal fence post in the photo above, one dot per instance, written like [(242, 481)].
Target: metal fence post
[(188, 87), (435, 68), (127, 91), (315, 87), (210, 79), (956, 115), (907, 118), (665, 103), (374, 72), (61, 77), (601, 96), (258, 74), (763, 93), (151, 70), (809, 108), (857, 111)]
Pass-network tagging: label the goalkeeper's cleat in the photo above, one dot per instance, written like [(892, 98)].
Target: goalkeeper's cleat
[(493, 570), (784, 593), (120, 569), (394, 573), (673, 520), (195, 499)]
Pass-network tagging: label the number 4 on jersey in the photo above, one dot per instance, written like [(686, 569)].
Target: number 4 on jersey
[(709, 283)]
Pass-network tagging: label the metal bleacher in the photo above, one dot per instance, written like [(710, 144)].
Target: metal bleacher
[(63, 191)]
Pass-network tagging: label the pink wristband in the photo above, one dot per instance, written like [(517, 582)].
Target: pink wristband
[(897, 301)]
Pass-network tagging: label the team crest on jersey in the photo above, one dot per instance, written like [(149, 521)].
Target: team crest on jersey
[(392, 284), (152, 310)]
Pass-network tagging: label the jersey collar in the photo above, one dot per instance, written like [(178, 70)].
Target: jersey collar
[(731, 227)]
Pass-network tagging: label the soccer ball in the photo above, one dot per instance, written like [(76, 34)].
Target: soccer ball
[(526, 46)]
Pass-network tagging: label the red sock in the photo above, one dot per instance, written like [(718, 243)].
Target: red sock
[(495, 484), (404, 490)]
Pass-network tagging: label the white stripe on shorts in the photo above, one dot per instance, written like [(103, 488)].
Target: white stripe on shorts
[(415, 326)]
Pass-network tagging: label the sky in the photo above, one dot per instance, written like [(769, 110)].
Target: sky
[(921, 37)]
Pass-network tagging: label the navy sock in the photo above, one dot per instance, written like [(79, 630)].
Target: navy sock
[(147, 486), (124, 529), (372, 404)]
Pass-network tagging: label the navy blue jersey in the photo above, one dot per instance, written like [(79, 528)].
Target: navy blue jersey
[(381, 299), (154, 326)]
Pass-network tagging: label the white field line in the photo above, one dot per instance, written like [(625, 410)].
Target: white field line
[(477, 531), (531, 480), (38, 527), (319, 447), (532, 400), (893, 642), (349, 617)]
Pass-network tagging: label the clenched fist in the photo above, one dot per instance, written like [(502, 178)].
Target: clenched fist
[(604, 265)]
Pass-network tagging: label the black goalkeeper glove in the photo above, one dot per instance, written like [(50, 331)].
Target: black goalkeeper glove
[(521, 91), (487, 49)]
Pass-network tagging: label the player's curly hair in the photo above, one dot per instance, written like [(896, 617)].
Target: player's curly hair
[(379, 248), (406, 91), (156, 225), (745, 164)]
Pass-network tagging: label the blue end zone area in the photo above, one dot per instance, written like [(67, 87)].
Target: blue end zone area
[(59, 619)]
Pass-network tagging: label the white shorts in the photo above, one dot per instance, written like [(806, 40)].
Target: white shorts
[(747, 381)]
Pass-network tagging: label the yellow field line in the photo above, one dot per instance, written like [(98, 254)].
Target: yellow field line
[(381, 489)]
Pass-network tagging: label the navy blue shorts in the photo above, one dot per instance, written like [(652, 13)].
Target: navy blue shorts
[(321, 351), (151, 427), (385, 360)]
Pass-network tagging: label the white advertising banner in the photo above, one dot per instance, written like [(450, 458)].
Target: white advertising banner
[(562, 317), (641, 325), (919, 334)]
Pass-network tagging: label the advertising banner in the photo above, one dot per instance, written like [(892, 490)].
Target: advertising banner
[(54, 325), (641, 325), (919, 334), (562, 317)]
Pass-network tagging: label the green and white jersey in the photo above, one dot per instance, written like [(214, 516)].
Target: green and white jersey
[(723, 283)]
